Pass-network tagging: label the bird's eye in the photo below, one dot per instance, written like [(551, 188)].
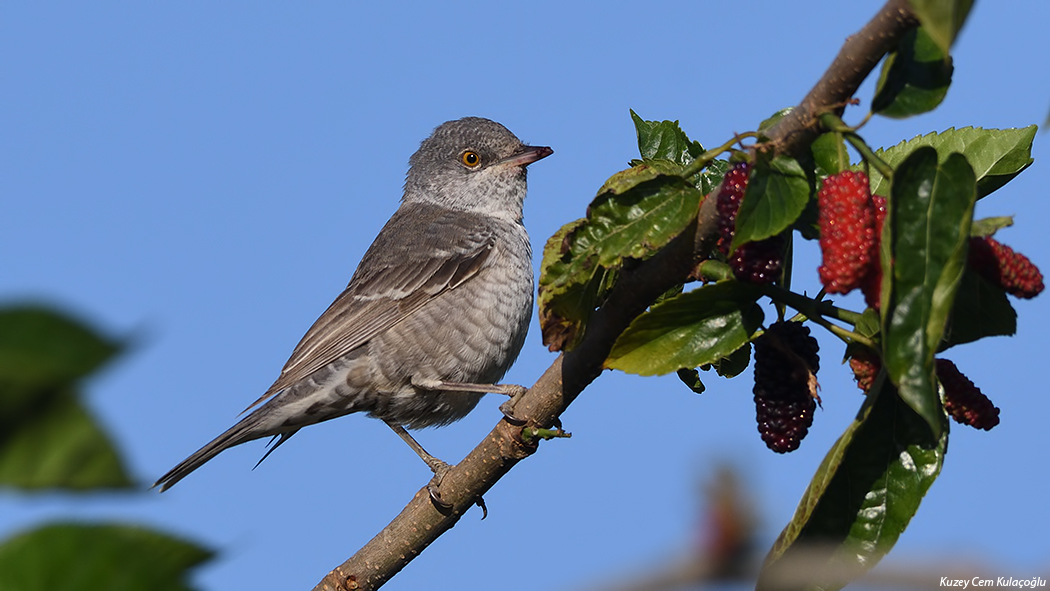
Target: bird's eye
[(471, 159)]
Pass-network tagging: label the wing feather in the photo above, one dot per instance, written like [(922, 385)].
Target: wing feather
[(422, 252)]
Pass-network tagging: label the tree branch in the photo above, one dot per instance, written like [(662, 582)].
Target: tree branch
[(640, 283)]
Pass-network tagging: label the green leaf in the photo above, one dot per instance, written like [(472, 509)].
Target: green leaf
[(776, 194), (694, 328), (829, 154), (712, 176), (861, 498), (47, 439), (691, 378), (943, 19), (733, 364), (774, 119), (996, 155), (914, 79), (637, 212), (665, 140), (989, 226), (981, 310), (58, 445), (81, 557), (41, 348), (930, 210)]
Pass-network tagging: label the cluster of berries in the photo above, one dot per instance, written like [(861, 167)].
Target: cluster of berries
[(786, 363), (963, 401), (754, 262), (851, 221)]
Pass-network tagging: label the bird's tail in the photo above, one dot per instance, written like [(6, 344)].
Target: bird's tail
[(247, 429)]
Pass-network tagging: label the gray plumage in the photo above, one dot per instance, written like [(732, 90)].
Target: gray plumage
[(443, 294)]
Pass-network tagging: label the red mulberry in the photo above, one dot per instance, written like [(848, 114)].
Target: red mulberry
[(1000, 265), (963, 400), (872, 283), (847, 231), (865, 366), (786, 363)]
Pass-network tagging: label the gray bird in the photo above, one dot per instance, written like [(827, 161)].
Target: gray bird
[(436, 312)]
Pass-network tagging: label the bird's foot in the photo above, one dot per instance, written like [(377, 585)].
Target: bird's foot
[(434, 486)]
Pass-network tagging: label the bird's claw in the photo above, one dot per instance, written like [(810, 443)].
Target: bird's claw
[(434, 486)]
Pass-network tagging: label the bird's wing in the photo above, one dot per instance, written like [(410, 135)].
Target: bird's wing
[(422, 252)]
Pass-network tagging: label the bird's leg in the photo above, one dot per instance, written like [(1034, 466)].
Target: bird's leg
[(513, 390), (438, 467)]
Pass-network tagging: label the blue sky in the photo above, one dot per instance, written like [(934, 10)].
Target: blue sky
[(203, 178)]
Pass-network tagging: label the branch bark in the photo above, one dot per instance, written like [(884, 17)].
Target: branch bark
[(421, 522)]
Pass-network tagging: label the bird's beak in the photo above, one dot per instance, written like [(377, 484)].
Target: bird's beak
[(527, 155)]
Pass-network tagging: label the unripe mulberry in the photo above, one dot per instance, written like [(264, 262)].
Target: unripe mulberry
[(730, 194), (847, 231), (1000, 265), (963, 400), (865, 366), (786, 363), (871, 286)]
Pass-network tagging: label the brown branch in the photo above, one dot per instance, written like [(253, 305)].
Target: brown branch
[(421, 522)]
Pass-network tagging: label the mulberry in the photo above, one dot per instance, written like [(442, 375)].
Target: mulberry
[(847, 231), (865, 366), (786, 363), (871, 286), (963, 400), (1000, 265), (730, 195), (758, 262)]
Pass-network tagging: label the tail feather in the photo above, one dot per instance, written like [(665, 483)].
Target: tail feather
[(243, 431)]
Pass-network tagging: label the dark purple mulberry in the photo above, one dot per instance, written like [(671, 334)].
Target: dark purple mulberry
[(786, 363), (963, 400)]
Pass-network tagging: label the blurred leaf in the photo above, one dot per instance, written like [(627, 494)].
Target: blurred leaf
[(981, 310), (943, 19), (694, 328), (996, 155), (664, 140), (930, 210), (776, 194), (41, 348), (637, 212), (58, 445), (47, 438), (733, 364), (989, 226), (691, 378), (914, 79), (79, 557), (774, 119), (862, 496)]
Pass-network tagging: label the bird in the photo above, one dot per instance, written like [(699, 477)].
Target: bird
[(433, 317)]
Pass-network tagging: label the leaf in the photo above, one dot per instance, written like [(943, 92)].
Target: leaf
[(996, 155), (637, 212), (943, 19), (81, 557), (665, 140), (989, 226), (41, 348), (733, 364), (930, 210), (59, 445), (981, 310), (914, 79), (861, 498), (694, 328), (829, 153), (712, 176), (776, 194), (47, 439), (691, 378)]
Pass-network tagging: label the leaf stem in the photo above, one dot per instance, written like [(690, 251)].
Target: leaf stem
[(817, 309)]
